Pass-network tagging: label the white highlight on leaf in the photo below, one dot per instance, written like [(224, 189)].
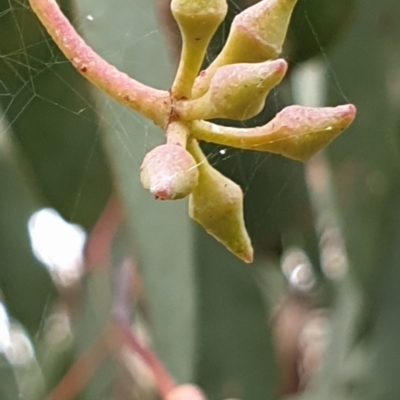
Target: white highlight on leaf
[(20, 351), (4, 329), (57, 328), (89, 17), (57, 244), (14, 342), (297, 268)]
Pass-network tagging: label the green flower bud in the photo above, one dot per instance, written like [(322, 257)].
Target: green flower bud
[(299, 132), (216, 203), (257, 34), (169, 172), (237, 91), (296, 132), (198, 20)]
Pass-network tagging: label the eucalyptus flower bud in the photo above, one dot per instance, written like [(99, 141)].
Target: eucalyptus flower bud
[(186, 392), (296, 132), (216, 203), (198, 20), (237, 91), (169, 172), (299, 132), (257, 34)]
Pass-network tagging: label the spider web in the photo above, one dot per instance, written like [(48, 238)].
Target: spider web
[(127, 34), (133, 41)]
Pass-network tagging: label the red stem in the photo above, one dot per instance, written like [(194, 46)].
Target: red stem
[(152, 103), (80, 373), (164, 381), (97, 251)]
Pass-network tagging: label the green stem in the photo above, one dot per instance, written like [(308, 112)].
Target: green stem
[(189, 65)]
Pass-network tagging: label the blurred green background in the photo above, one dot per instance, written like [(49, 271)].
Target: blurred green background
[(316, 317)]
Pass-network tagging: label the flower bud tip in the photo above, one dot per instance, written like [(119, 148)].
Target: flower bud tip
[(169, 172)]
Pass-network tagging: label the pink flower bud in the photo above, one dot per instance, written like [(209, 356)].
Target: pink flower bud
[(186, 392), (299, 132), (296, 132), (169, 172), (259, 31), (237, 91)]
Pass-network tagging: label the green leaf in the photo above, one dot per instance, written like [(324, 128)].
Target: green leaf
[(161, 230), (10, 390), (316, 25), (365, 161), (53, 117), (236, 357), (24, 282)]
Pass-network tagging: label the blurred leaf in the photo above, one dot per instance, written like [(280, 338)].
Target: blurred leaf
[(365, 159), (235, 355), (219, 39), (161, 229), (96, 314), (53, 117), (24, 282), (383, 382), (9, 387), (315, 26)]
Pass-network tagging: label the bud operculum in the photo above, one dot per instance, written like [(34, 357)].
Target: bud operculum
[(300, 132), (216, 203), (237, 91), (169, 172)]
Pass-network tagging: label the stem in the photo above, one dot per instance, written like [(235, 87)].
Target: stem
[(189, 65), (125, 335), (241, 138), (152, 103), (196, 109), (197, 21), (97, 251), (177, 133), (164, 381), (80, 373)]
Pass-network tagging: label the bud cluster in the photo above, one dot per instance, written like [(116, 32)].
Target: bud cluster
[(234, 86)]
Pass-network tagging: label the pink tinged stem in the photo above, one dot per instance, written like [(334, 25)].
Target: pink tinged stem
[(165, 383), (296, 132), (152, 103)]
